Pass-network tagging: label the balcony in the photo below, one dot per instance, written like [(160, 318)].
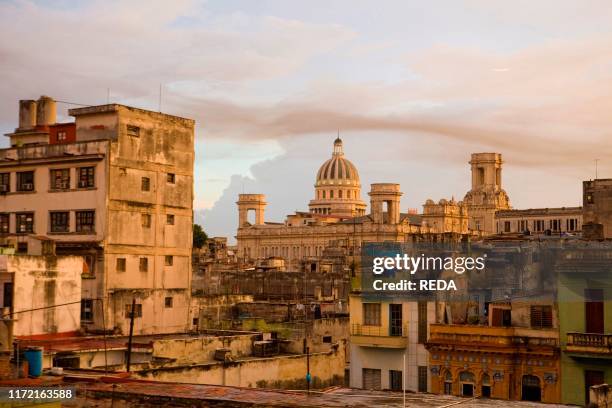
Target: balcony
[(511, 338), (379, 336), (599, 345)]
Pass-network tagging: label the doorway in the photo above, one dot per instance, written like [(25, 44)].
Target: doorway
[(594, 310), (531, 388)]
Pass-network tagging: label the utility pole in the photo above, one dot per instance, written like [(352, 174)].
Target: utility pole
[(404, 379), (129, 350), (596, 162), (308, 377)]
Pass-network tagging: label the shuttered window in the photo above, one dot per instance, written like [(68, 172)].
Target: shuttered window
[(541, 316), (371, 314)]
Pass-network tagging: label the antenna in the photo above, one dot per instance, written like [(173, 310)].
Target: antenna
[(160, 97), (107, 96), (596, 162)]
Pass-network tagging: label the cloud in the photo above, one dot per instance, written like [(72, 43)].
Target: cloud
[(77, 53)]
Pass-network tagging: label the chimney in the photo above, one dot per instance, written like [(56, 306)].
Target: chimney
[(27, 114), (46, 112)]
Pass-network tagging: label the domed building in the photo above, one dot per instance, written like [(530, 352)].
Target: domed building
[(337, 188), (337, 217)]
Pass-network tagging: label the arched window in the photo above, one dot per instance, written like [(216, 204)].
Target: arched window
[(448, 383)]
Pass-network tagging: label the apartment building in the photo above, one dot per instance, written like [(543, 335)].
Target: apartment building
[(385, 333), (585, 310), (115, 187)]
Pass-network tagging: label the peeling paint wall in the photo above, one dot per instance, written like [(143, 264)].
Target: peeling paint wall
[(40, 282)]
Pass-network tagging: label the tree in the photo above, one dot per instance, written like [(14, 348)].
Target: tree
[(199, 236)]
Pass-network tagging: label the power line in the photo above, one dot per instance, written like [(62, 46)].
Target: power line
[(73, 103), (43, 308)]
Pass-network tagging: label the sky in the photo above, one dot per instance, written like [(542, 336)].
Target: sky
[(413, 88)]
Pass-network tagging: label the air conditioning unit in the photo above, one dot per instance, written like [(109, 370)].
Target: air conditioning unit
[(4, 188), (27, 186), (82, 184)]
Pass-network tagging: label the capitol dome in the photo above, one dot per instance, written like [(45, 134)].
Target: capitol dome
[(337, 187), (338, 170)]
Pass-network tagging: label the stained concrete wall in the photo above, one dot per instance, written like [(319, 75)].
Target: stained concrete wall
[(274, 372), (40, 282), (199, 350)]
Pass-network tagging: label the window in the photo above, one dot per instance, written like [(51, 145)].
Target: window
[(145, 184), (85, 221), (422, 379), (133, 131), (61, 136), (169, 260), (120, 265), (5, 182), (326, 339), (168, 301), (146, 220), (86, 177), (60, 179), (60, 221), (137, 310), (589, 198), (422, 322), (395, 380), (24, 222), (25, 181), (22, 247), (572, 224), (5, 223), (555, 225), (506, 226), (371, 314), (538, 225), (171, 178), (144, 265), (331, 193), (170, 219), (87, 310), (541, 316)]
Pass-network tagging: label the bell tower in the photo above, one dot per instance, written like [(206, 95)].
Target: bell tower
[(487, 195), (382, 194), (251, 202)]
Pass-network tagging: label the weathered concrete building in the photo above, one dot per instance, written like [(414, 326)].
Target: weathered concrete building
[(120, 195), (597, 208), (539, 221), (383, 333)]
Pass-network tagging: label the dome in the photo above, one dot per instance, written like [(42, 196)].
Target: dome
[(338, 169)]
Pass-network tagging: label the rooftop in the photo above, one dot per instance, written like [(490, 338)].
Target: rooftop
[(148, 393), (115, 107)]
